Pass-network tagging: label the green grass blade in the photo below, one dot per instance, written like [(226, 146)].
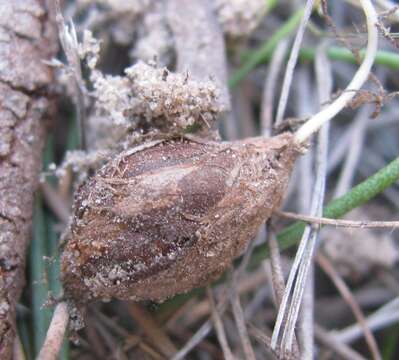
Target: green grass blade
[(265, 51), (39, 285)]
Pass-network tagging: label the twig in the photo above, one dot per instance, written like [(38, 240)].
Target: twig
[(324, 88), (303, 258), (348, 297), (354, 153), (385, 316), (217, 321), (289, 72), (206, 327), (278, 282), (270, 87), (364, 224), (338, 347), (157, 336), (239, 318), (55, 333), (361, 76)]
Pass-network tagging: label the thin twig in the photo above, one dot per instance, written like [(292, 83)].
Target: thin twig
[(206, 327), (154, 332), (303, 258), (239, 318), (270, 87), (338, 347), (383, 317), (354, 154), (278, 282), (363, 224), (221, 334), (345, 292), (289, 72), (55, 333)]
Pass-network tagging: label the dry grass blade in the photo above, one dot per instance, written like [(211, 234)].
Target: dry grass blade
[(383, 317), (270, 87), (338, 347), (206, 327), (289, 72), (55, 334), (239, 318), (363, 224), (221, 334), (278, 283), (353, 156), (348, 297), (153, 330), (361, 76)]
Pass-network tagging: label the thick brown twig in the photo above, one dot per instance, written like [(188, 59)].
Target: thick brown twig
[(27, 40)]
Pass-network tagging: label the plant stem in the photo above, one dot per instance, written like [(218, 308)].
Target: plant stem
[(41, 315), (361, 76), (385, 58)]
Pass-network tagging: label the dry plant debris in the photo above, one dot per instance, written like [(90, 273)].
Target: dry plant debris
[(163, 206)]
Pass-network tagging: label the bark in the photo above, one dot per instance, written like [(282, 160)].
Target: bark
[(27, 37)]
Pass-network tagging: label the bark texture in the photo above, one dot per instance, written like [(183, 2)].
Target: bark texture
[(27, 37)]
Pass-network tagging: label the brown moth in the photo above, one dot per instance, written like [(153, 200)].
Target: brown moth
[(161, 221)]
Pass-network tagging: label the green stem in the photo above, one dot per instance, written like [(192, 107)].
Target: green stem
[(39, 284), (385, 58), (266, 49)]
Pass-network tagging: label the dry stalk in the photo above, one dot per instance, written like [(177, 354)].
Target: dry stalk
[(239, 318), (289, 72), (218, 324), (363, 224), (345, 292), (338, 347), (55, 334), (361, 76), (270, 87), (158, 337)]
